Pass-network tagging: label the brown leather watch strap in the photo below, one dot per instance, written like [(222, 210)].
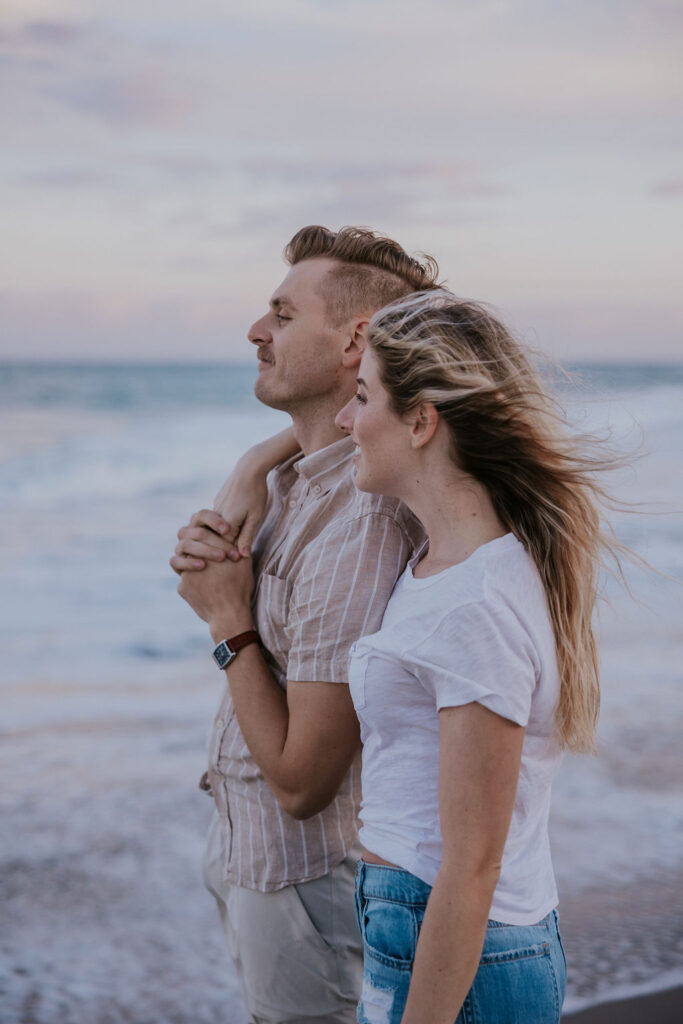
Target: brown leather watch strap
[(236, 643)]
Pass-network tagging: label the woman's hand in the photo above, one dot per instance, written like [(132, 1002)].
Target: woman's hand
[(241, 502), (229, 529)]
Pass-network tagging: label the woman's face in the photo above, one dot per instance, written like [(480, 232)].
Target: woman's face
[(381, 437)]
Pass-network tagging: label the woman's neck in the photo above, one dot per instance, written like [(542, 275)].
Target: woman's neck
[(457, 514)]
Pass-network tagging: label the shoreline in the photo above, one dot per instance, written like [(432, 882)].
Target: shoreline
[(104, 837), (663, 1007)]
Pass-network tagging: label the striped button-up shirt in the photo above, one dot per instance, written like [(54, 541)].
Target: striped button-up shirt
[(325, 562)]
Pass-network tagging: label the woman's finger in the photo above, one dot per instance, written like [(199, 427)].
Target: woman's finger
[(213, 520), (211, 540), (247, 534)]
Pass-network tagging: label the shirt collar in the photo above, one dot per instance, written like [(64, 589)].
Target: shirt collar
[(323, 469)]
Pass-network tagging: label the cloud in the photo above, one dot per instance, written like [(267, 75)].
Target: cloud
[(186, 167), (636, 330), (169, 146), (109, 73), (42, 34), (369, 191), (119, 325), (53, 33), (669, 188), (142, 98), (67, 178)]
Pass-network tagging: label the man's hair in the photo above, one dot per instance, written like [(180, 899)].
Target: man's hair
[(371, 270)]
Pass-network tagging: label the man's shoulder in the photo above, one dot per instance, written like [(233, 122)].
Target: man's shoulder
[(348, 505)]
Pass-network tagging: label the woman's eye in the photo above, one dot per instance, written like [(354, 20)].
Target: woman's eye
[(360, 398), (281, 317)]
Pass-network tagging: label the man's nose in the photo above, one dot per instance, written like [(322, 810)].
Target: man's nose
[(258, 332)]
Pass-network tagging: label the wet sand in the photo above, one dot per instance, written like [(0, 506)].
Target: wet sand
[(105, 918), (655, 1008)]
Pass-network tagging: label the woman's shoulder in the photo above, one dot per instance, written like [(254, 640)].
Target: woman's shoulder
[(511, 578)]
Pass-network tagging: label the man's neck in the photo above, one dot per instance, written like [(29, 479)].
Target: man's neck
[(313, 435)]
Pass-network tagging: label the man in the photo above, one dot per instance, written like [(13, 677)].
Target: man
[(284, 768)]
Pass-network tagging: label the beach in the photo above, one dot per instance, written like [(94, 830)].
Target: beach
[(105, 916), (665, 1007), (108, 693)]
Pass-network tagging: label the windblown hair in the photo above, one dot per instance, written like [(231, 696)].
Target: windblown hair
[(371, 270), (507, 433)]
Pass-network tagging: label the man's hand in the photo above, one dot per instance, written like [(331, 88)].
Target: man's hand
[(208, 537), (221, 595)]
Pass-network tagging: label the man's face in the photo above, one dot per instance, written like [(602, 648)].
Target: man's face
[(299, 352)]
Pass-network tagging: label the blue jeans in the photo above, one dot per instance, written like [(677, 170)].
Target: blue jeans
[(521, 975)]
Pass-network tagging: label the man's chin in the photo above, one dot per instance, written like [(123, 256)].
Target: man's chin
[(266, 397)]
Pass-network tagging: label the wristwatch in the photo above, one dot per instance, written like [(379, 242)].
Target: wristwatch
[(227, 650)]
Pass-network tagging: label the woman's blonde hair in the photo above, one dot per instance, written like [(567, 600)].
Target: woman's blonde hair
[(508, 434)]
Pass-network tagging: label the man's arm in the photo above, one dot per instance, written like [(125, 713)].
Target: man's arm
[(303, 740)]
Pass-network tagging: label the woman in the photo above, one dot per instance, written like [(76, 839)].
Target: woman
[(484, 668)]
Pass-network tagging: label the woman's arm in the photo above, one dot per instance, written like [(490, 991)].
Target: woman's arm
[(479, 758), (242, 498), (228, 530)]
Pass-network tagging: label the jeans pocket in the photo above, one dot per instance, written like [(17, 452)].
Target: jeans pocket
[(516, 983), (390, 930)]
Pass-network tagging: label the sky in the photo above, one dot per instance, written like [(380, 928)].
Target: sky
[(157, 155)]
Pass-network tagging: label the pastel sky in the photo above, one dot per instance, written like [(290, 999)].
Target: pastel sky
[(158, 154)]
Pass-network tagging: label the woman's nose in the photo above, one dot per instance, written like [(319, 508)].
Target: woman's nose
[(344, 418)]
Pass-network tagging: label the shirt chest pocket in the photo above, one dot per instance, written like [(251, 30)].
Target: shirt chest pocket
[(272, 615)]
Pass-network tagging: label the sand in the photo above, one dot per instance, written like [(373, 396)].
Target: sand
[(105, 918), (652, 1008)]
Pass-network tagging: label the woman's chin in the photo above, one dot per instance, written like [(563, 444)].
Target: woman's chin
[(358, 478), (364, 483)]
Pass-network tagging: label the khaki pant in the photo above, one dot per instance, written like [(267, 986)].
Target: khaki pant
[(297, 951)]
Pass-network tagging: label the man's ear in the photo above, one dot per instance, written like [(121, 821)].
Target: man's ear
[(424, 421), (356, 340)]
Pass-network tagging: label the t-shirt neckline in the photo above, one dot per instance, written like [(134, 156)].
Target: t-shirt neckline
[(498, 544)]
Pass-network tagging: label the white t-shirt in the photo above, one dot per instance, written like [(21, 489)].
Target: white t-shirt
[(478, 631)]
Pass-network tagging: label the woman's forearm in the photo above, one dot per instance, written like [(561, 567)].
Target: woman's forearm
[(241, 500), (449, 947), (267, 454)]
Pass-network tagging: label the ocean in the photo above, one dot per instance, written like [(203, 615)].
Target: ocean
[(107, 695)]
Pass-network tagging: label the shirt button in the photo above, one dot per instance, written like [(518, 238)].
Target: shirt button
[(292, 503), (317, 488), (219, 723)]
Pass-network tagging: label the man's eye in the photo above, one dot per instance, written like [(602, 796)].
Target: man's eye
[(281, 317)]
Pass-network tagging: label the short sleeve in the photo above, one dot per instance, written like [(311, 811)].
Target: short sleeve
[(340, 594), (483, 654)]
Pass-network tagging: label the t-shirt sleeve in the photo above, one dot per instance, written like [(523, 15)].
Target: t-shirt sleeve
[(340, 594), (479, 654)]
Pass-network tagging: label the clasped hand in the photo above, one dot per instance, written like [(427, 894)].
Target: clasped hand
[(221, 593)]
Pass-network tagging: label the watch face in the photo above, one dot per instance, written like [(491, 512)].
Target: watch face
[(223, 654)]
